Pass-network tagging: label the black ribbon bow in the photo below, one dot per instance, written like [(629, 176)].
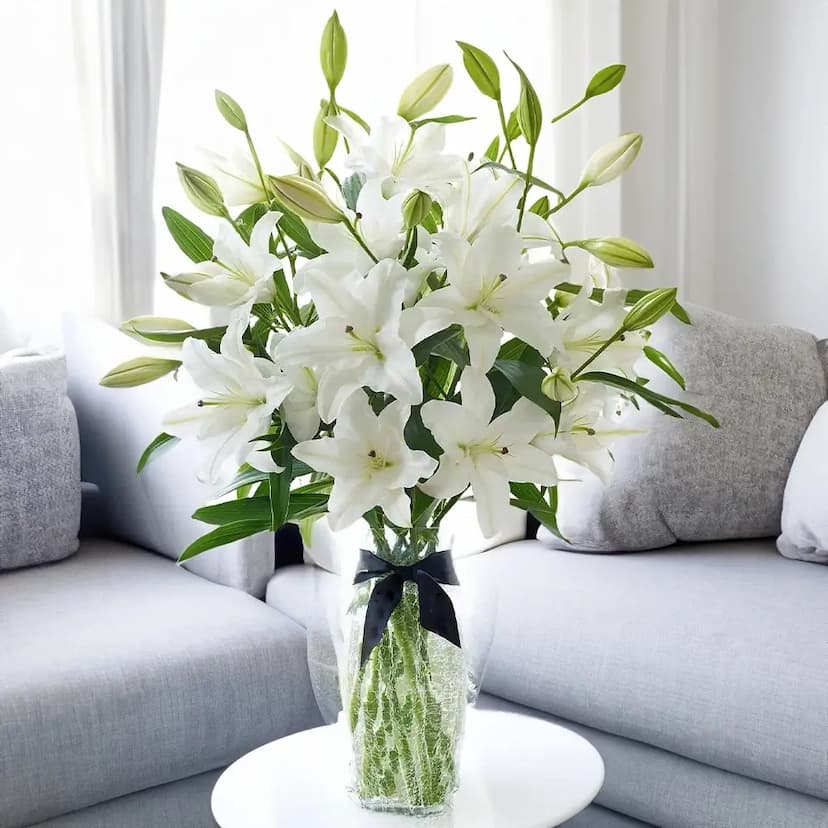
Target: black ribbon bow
[(436, 610)]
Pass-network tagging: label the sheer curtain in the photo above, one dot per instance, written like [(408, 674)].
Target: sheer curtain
[(118, 53)]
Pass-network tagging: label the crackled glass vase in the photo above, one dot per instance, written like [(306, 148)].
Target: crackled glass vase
[(405, 682)]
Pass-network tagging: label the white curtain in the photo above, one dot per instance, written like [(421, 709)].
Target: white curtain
[(118, 50), (665, 201)]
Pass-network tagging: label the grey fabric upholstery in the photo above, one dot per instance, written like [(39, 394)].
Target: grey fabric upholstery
[(122, 671), (661, 788), (39, 462), (152, 509), (183, 804), (685, 481), (597, 817), (822, 347), (717, 652)]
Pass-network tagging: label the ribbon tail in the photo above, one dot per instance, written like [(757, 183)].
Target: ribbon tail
[(384, 599), (436, 609)]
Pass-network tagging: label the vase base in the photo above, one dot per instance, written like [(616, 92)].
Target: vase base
[(392, 807)]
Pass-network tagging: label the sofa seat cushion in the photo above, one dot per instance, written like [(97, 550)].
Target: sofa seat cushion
[(716, 652), (120, 671)]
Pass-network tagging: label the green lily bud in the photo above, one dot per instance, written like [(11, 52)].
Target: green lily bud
[(305, 198), (650, 308), (529, 112), (482, 70), (157, 329), (615, 251), (202, 191), (324, 137), (425, 92), (611, 160), (139, 371), (333, 51), (605, 80), (558, 385), (415, 208), (231, 111)]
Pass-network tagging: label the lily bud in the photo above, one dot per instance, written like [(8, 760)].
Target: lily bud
[(559, 386), (324, 136), (605, 80), (650, 308), (202, 191), (425, 92), (529, 112), (333, 51), (611, 160), (415, 208), (231, 111), (305, 198), (139, 371), (157, 329), (616, 251)]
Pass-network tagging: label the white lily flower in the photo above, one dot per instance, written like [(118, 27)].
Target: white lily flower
[(299, 408), (403, 159), (357, 339), (584, 326), (237, 177), (240, 392), (369, 460), (381, 227), (588, 427), (492, 288), (484, 453), (489, 198), (241, 273)]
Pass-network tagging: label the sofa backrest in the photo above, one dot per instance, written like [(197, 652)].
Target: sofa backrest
[(152, 509), (683, 480)]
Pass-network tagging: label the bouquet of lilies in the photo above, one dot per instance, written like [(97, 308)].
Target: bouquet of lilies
[(400, 324)]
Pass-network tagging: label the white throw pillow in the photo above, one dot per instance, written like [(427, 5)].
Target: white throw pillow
[(338, 552), (805, 506)]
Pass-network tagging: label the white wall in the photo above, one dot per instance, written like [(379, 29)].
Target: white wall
[(772, 162)]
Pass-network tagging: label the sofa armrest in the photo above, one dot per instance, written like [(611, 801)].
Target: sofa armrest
[(153, 509)]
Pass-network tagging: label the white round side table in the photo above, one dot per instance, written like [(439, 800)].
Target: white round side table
[(516, 772)]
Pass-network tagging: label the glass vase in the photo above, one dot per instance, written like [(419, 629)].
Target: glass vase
[(405, 686)]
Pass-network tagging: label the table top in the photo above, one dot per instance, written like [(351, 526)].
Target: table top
[(516, 772)]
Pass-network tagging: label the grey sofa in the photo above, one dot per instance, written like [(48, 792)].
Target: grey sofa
[(126, 682)]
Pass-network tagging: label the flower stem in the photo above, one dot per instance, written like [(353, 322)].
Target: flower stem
[(503, 126), (527, 184), (355, 233)]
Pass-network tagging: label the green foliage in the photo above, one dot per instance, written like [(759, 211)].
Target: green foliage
[(161, 442), (193, 242)]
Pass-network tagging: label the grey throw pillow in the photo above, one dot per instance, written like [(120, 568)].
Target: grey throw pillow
[(685, 481), (39, 462)]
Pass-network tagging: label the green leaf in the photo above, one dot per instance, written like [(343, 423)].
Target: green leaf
[(512, 126), (419, 437), (662, 361), (533, 180), (229, 533), (244, 478), (351, 188), (443, 119), (230, 111), (659, 401), (294, 227), (529, 112), (247, 218), (423, 349), (356, 118), (194, 243), (528, 497), (527, 379), (540, 207), (605, 80), (154, 449), (493, 150), (482, 69), (519, 350), (139, 371), (280, 487), (235, 511)]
